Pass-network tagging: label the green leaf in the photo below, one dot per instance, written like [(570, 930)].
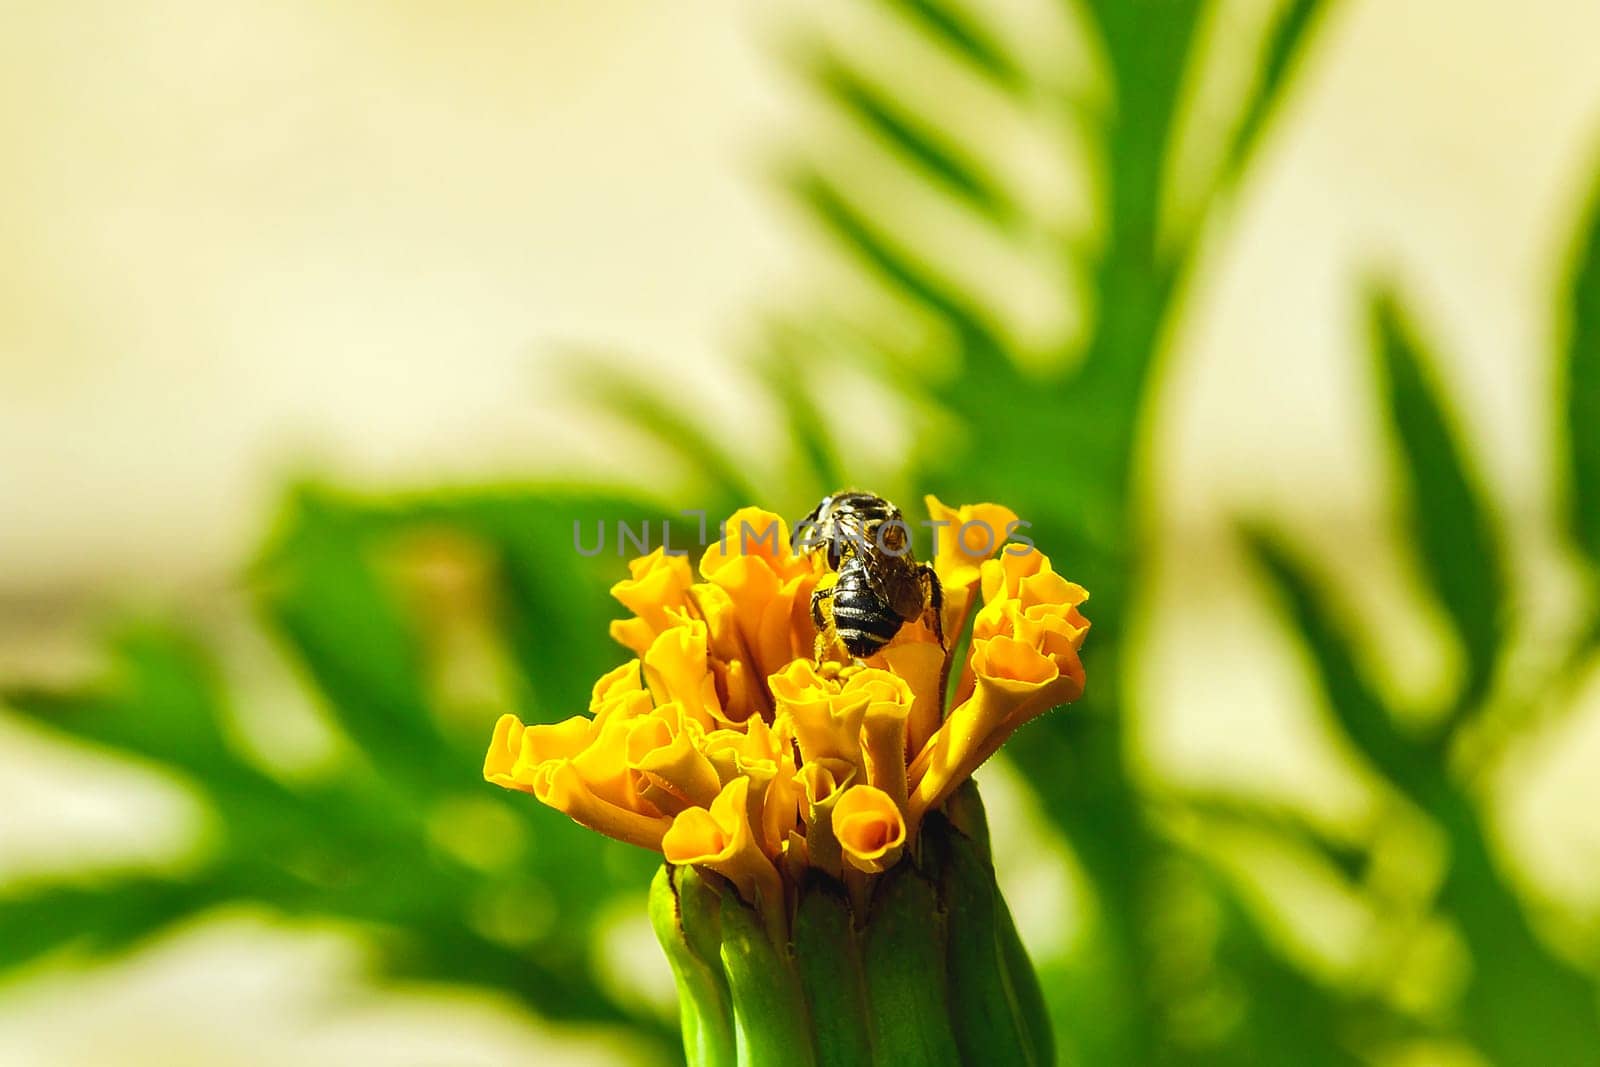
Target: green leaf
[(1279, 821), (1580, 375), (874, 109), (1364, 718), (1295, 25), (98, 917), (781, 371), (1288, 1018), (948, 24), (158, 706), (1459, 552), (895, 264), (324, 595)]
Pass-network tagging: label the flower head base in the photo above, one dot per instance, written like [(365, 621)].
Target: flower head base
[(723, 745)]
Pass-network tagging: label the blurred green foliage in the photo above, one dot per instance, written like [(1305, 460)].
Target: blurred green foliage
[(360, 841)]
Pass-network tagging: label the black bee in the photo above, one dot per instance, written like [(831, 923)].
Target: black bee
[(877, 586)]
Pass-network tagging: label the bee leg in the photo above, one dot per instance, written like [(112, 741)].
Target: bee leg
[(822, 615), (933, 599)]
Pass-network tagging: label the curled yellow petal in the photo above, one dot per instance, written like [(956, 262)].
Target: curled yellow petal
[(603, 765), (870, 828), (883, 727), (781, 806), (1024, 574), (761, 579), (966, 536), (634, 635), (831, 729), (739, 690), (654, 583), (517, 751), (1013, 683), (1025, 599), (826, 722), (922, 667), (542, 742), (504, 748), (558, 784), (661, 748), (676, 667), (753, 534), (800, 685), (721, 838), (776, 640), (822, 782), (614, 686)]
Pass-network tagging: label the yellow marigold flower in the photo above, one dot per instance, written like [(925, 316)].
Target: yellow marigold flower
[(725, 745)]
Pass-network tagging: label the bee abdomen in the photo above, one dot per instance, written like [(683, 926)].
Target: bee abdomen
[(862, 620)]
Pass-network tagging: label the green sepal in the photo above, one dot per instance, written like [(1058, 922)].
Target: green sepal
[(904, 962), (1025, 987), (705, 1009), (988, 1023), (971, 823), (964, 809), (828, 960), (772, 1027)]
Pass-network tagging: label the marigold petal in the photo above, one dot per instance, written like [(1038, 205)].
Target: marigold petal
[(721, 838), (603, 764), (634, 635), (830, 729), (965, 537), (663, 751), (751, 533), (821, 783), (799, 684), (504, 748), (883, 728), (1014, 683), (677, 667), (558, 784), (655, 582), (922, 667), (614, 685), (542, 741), (870, 828)]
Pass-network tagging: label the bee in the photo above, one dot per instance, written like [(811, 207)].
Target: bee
[(876, 586)]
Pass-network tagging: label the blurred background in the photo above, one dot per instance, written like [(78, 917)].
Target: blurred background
[(320, 325)]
